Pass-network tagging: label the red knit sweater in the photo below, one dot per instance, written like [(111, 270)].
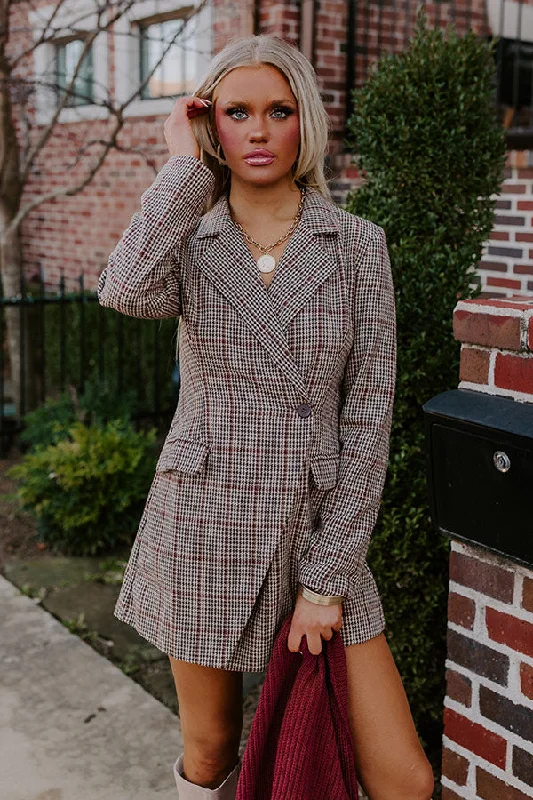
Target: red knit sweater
[(300, 746)]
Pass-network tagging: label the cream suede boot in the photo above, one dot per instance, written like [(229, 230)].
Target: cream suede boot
[(190, 791)]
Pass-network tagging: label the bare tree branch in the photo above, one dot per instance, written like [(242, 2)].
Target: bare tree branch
[(66, 191), (142, 86), (49, 33), (116, 111)]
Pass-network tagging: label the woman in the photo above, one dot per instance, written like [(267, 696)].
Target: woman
[(271, 475)]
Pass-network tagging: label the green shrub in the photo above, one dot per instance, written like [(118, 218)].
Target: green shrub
[(428, 141), (51, 422), (87, 490), (99, 404)]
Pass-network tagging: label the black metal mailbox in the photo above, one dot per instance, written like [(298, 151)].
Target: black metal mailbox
[(480, 470)]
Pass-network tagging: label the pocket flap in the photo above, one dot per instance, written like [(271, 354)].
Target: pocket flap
[(183, 455), (325, 471)]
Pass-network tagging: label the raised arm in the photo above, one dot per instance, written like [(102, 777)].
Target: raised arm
[(335, 559), (142, 277), (143, 273)]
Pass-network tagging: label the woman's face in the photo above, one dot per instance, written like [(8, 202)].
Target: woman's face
[(256, 123)]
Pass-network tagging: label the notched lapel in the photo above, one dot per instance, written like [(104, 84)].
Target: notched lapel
[(304, 265), (308, 260), (229, 265), (311, 256)]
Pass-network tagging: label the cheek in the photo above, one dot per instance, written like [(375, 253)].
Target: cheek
[(291, 135), (227, 134)]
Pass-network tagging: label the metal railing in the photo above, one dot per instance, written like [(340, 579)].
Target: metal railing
[(57, 341)]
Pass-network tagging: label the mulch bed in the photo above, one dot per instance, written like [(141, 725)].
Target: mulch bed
[(18, 531)]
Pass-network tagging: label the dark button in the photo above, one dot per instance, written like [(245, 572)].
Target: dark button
[(304, 410)]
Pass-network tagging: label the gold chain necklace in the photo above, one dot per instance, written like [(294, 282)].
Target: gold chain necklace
[(266, 262)]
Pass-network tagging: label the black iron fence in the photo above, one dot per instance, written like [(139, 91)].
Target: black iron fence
[(57, 341), (376, 27)]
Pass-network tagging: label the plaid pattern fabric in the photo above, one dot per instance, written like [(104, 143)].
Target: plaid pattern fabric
[(274, 464)]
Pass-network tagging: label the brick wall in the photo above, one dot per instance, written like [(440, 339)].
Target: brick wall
[(378, 28), (488, 713), (60, 236), (497, 344), (507, 263)]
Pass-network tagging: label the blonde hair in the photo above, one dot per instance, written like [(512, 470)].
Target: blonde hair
[(308, 169)]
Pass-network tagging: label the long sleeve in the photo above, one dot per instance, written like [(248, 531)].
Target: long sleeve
[(142, 277), (334, 562)]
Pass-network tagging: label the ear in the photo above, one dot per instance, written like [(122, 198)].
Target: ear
[(212, 116), (213, 134), (211, 126)]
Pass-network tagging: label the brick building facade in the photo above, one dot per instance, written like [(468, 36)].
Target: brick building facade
[(488, 708), (341, 37)]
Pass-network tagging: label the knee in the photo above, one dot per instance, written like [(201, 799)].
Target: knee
[(420, 782), (212, 754), (426, 791), (414, 783)]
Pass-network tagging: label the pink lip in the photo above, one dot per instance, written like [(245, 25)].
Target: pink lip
[(259, 152), (259, 157)]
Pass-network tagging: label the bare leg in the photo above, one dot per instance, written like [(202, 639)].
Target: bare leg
[(210, 709), (391, 764)]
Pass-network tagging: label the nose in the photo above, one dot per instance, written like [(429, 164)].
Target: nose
[(259, 131)]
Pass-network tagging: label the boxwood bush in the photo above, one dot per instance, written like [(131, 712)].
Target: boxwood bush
[(432, 154), (87, 488), (51, 422), (87, 469)]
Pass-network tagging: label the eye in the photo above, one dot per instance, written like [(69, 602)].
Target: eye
[(233, 112), (282, 112)]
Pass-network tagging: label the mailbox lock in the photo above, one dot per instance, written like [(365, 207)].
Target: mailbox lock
[(501, 460)]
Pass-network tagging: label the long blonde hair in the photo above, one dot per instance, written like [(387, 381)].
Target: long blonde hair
[(308, 169)]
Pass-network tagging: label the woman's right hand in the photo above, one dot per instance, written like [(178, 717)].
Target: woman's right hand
[(178, 131)]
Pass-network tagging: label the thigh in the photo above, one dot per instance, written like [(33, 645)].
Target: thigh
[(209, 699), (390, 760)]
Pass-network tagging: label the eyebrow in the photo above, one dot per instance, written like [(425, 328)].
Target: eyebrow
[(243, 103)]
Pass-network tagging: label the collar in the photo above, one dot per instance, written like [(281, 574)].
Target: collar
[(319, 215)]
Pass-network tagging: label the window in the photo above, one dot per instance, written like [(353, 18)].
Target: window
[(56, 58), (515, 85), (512, 23), (162, 48), (167, 67), (68, 55)]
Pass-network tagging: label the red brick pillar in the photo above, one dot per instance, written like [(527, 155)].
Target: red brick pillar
[(488, 714)]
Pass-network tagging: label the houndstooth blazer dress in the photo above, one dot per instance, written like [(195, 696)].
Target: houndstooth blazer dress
[(272, 471)]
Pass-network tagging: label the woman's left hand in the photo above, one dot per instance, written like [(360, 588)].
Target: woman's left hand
[(315, 621)]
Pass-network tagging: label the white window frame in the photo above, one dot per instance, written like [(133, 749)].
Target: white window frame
[(127, 51), (72, 12), (512, 12)]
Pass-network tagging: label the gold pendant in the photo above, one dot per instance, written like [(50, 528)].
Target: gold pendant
[(266, 263)]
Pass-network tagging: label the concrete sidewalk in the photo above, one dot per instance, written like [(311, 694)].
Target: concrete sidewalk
[(72, 725)]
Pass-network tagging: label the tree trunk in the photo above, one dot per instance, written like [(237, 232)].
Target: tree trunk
[(16, 376), (10, 249)]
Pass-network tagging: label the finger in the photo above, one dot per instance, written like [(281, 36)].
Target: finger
[(327, 635), (293, 642), (197, 112), (200, 107), (190, 106), (314, 643), (197, 103)]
